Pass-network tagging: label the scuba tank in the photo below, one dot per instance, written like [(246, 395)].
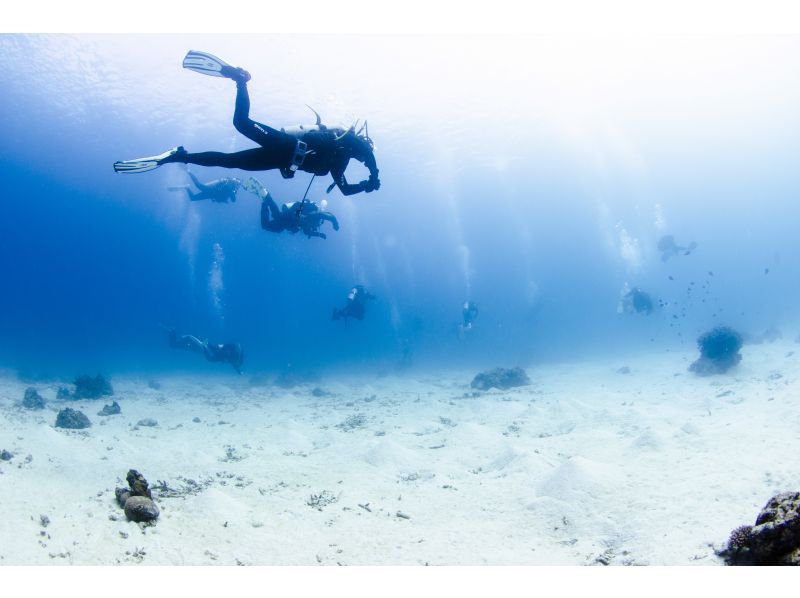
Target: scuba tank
[(300, 130), (338, 131)]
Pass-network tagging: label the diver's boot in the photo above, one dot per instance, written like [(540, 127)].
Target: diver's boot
[(234, 72), (175, 155)]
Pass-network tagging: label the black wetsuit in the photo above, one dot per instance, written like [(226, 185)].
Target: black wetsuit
[(325, 154), (636, 300), (221, 190), (228, 352), (356, 304), (295, 217)]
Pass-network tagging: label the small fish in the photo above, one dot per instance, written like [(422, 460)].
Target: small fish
[(710, 273), (670, 277), (766, 270)]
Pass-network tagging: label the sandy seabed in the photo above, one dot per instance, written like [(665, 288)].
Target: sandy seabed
[(584, 466)]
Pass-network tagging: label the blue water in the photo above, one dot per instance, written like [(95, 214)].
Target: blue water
[(533, 176)]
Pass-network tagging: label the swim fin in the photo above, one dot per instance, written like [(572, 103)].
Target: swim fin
[(256, 187), (145, 164), (204, 63)]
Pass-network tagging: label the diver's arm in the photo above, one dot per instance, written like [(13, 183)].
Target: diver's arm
[(339, 180), (366, 156), (372, 166), (371, 184), (330, 218)]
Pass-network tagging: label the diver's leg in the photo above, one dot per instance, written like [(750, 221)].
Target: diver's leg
[(282, 144), (196, 182), (242, 121), (270, 215), (274, 210), (259, 158)]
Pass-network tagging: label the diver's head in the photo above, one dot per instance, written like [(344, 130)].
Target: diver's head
[(364, 146), (363, 134), (367, 141), (359, 142)]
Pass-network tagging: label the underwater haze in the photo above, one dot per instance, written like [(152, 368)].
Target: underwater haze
[(534, 176)]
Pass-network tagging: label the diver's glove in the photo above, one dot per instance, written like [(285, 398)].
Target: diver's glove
[(373, 184), (374, 181)]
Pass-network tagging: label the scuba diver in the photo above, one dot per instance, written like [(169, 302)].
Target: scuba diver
[(297, 216), (316, 149), (228, 352), (356, 304), (468, 314), (221, 190), (668, 247), (636, 301)]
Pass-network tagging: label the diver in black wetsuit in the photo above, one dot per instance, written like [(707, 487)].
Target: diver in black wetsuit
[(316, 149), (221, 190), (636, 301), (293, 217), (356, 304), (229, 352)]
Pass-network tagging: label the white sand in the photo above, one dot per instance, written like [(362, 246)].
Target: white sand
[(645, 468)]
